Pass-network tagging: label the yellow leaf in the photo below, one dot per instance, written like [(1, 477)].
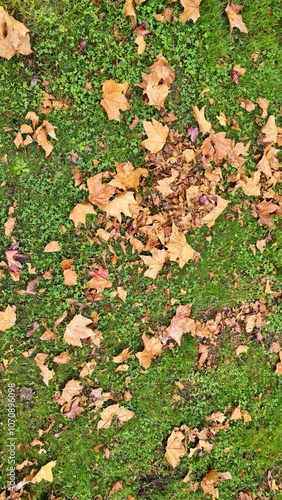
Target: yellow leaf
[(113, 99), (157, 134), (7, 318), (44, 473)]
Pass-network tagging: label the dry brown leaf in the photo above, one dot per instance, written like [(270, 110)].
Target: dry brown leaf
[(199, 115), (246, 416), (271, 292), (246, 104), (9, 226), (209, 482), (178, 248), (70, 277), (14, 37), (99, 279), (47, 374), (236, 414), (120, 412), (265, 209), (140, 42), (88, 368), (129, 11), (122, 293), (7, 318), (99, 193), (235, 19), (203, 352), (77, 329), (263, 104), (41, 136), (191, 10), (181, 323), (152, 347), (157, 134), (241, 349), (210, 218), (123, 356), (79, 213), (270, 130), (250, 185), (175, 449), (63, 358), (44, 473), (155, 262), (121, 204), (53, 246), (72, 388), (127, 176), (33, 118), (113, 99)]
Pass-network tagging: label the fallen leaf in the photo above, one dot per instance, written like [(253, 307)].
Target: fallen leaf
[(155, 262), (41, 136), (270, 130), (181, 323), (14, 37), (175, 449), (79, 213), (113, 99), (123, 356), (236, 414), (9, 226), (191, 10), (178, 248), (7, 318), (140, 42), (47, 374), (100, 193), (77, 329), (99, 279), (246, 416), (210, 218), (72, 388), (44, 473), (209, 482), (53, 246), (88, 368), (127, 176), (263, 104), (203, 352), (120, 412), (199, 115), (129, 11), (152, 347), (121, 204), (235, 19), (63, 358), (157, 134), (70, 277), (241, 349)]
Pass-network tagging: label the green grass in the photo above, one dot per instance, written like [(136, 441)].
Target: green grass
[(227, 276)]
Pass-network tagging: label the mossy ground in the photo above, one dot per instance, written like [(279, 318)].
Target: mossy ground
[(202, 55)]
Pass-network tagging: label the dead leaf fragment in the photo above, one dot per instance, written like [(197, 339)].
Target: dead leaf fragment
[(155, 262), (121, 204), (123, 356), (181, 323), (53, 246), (129, 11), (178, 248), (120, 412), (235, 19), (7, 318), (241, 349), (113, 99), (45, 473), (140, 42), (157, 135), (199, 115), (236, 414), (210, 218), (14, 37), (175, 449), (209, 482), (191, 10), (79, 213), (152, 347), (47, 374)]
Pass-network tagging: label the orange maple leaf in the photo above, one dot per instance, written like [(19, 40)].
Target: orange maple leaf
[(79, 212), (157, 134), (113, 99), (14, 37), (191, 10)]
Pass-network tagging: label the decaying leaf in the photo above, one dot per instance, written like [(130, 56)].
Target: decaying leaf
[(140, 42), (79, 213), (113, 99), (53, 246), (210, 218), (129, 11), (120, 412), (78, 329), (178, 248), (175, 449), (44, 473), (191, 10), (235, 19), (127, 176), (199, 115), (157, 134), (121, 204), (155, 262), (209, 482), (99, 193), (152, 347), (7, 318), (14, 37), (47, 374), (123, 356), (181, 323)]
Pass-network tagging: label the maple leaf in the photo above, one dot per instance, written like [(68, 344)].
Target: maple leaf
[(164, 184), (9, 226), (209, 482), (175, 449), (99, 193), (157, 134), (44, 473), (250, 185), (265, 209), (77, 329), (62, 358), (156, 94), (7, 318), (113, 99), (153, 347), (191, 10), (127, 176), (121, 204), (71, 389), (155, 262), (270, 130), (210, 218), (41, 136), (14, 37), (47, 374), (199, 115), (70, 277), (79, 213), (181, 323), (235, 19), (123, 356), (120, 412), (263, 104), (99, 279), (178, 248), (160, 71)]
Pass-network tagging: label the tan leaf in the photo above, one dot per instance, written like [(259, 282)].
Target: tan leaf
[(70, 277), (99, 193), (261, 244), (123, 356), (41, 136), (191, 10), (164, 185), (71, 389), (113, 99), (79, 213), (77, 329), (209, 482), (33, 118), (157, 134), (210, 218), (7, 318), (246, 416), (156, 94), (199, 115), (9, 226), (122, 293), (127, 176), (278, 370), (154, 262), (263, 104), (26, 129), (46, 373), (129, 11), (44, 473), (181, 323), (235, 19), (265, 209), (14, 37), (175, 449), (178, 248), (120, 412), (246, 104), (88, 368), (121, 204), (270, 130), (160, 71), (140, 42), (63, 358), (203, 352), (53, 246), (236, 414), (241, 349), (152, 347), (268, 290), (99, 279)]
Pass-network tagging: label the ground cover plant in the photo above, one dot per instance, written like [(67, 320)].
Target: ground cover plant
[(140, 306)]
